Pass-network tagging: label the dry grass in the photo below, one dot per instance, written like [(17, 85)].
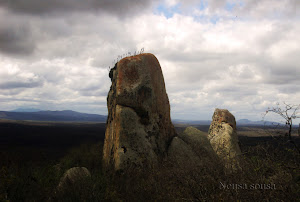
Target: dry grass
[(268, 161), (269, 172)]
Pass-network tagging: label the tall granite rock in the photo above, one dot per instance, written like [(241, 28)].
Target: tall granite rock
[(223, 137), (139, 127)]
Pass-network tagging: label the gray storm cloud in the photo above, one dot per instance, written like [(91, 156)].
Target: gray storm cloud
[(116, 7), (15, 36), (20, 84)]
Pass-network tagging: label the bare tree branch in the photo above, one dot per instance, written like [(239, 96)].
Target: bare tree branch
[(287, 117)]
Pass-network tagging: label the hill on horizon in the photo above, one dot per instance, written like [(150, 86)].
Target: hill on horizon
[(240, 122), (64, 115), (22, 109), (34, 114)]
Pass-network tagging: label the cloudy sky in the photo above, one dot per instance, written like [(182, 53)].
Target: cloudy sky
[(242, 55)]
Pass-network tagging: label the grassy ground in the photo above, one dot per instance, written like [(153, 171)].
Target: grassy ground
[(34, 156)]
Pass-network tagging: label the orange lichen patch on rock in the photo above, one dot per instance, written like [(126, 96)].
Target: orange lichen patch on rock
[(128, 69), (225, 116)]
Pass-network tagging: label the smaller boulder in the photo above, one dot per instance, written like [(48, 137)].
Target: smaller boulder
[(182, 154), (223, 137), (199, 142), (192, 148), (73, 175)]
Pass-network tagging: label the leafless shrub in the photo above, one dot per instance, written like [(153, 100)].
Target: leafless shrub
[(120, 57), (288, 112)]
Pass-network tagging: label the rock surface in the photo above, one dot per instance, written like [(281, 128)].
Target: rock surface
[(138, 127), (192, 149), (223, 137), (182, 154), (73, 175)]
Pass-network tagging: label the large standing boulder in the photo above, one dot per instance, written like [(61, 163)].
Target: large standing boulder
[(223, 137), (138, 127)]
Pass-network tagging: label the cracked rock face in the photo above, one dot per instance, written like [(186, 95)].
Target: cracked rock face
[(223, 137), (138, 128)]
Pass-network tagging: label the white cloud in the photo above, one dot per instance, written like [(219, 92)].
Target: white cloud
[(245, 63)]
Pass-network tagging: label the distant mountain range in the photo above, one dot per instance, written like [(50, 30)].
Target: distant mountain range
[(65, 115), (73, 116), (241, 122), (247, 122), (26, 110), (191, 122)]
